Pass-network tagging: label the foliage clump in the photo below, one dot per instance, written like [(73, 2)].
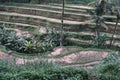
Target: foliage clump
[(40, 71), (29, 44), (109, 68)]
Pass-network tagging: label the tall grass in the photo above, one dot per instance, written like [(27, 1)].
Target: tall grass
[(39, 71)]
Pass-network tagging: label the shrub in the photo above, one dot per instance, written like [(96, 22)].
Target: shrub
[(100, 41), (6, 76), (55, 74), (109, 68), (40, 71), (67, 73), (27, 44), (26, 75)]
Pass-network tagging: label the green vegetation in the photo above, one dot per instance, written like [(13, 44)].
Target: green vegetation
[(39, 71), (48, 40), (108, 69), (26, 44)]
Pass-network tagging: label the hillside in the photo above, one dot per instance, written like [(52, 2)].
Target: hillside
[(43, 20)]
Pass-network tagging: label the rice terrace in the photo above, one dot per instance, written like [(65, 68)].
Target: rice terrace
[(59, 39)]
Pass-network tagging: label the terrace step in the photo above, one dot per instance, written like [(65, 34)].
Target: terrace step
[(26, 26), (78, 7), (47, 22), (51, 13), (75, 6), (77, 35), (52, 19), (18, 25), (38, 20), (48, 7), (46, 13), (40, 17)]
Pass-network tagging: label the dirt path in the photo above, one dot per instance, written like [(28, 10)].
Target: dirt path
[(82, 56), (86, 65), (4, 55), (74, 6), (19, 61), (72, 58), (86, 59), (80, 7)]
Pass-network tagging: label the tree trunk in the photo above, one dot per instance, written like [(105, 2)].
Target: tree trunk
[(62, 24), (117, 21)]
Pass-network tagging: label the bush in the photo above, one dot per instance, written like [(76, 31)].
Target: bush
[(67, 73), (55, 74), (27, 44), (109, 68), (26, 75), (40, 71), (6, 76)]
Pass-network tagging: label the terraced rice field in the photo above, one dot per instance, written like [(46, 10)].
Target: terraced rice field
[(77, 25)]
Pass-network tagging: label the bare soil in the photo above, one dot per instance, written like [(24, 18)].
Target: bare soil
[(115, 43), (58, 51), (80, 57), (19, 61), (72, 58), (42, 30)]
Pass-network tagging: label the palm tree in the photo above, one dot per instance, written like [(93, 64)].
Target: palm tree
[(100, 10)]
